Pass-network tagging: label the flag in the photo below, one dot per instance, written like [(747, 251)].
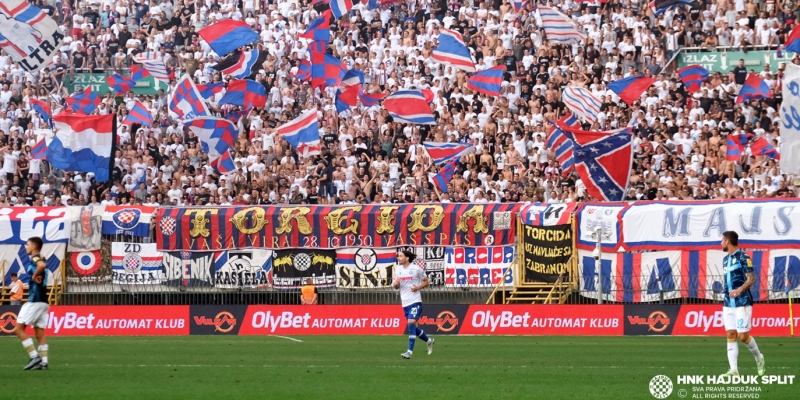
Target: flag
[(561, 145), (349, 88), (138, 114), (558, 27), (753, 88), (445, 175), (42, 108), (128, 220), (228, 35), (328, 73), (340, 7), (138, 73), (316, 49), (242, 64), (370, 99), (442, 153), (320, 28), (603, 160), (245, 93), (793, 40), (303, 70), (120, 83), (39, 150), (488, 81), (187, 103), (83, 102), (209, 90), (82, 143), (631, 88), (518, 5), (733, 148), (303, 133), (790, 120), (216, 136), (452, 50), (373, 4), (581, 102), (235, 116), (693, 77), (153, 67), (409, 106), (29, 35), (659, 6), (762, 147)]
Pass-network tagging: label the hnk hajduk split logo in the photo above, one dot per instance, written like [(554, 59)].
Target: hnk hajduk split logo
[(716, 386)]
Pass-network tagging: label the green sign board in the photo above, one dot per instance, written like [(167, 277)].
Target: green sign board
[(98, 84), (724, 61)]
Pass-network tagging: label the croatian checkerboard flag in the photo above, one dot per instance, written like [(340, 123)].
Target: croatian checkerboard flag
[(349, 88), (187, 103), (82, 143), (138, 73), (341, 7), (320, 28), (216, 136), (138, 114), (228, 35), (120, 83), (452, 50), (581, 102), (245, 93), (83, 102), (409, 106), (303, 133), (558, 27)]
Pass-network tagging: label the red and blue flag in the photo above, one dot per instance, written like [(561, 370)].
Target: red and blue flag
[(302, 133), (793, 40), (83, 102), (228, 35), (120, 83), (349, 88), (519, 5), (138, 114), (488, 81), (303, 70), (138, 73), (445, 175), (327, 73), (441, 153), (42, 108), (242, 64), (216, 136), (693, 77), (762, 147), (753, 88), (558, 27), (187, 103), (245, 93), (209, 90), (734, 147), (340, 7), (561, 145), (320, 28), (631, 88), (409, 106), (452, 50), (370, 99), (39, 150)]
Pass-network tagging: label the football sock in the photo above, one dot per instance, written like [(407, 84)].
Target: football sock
[(753, 347), (733, 355), (43, 352), (28, 345), (421, 334), (412, 337)]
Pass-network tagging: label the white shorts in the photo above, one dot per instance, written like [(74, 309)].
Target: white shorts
[(737, 318), (34, 314)]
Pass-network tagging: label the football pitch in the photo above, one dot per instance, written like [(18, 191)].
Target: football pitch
[(370, 367)]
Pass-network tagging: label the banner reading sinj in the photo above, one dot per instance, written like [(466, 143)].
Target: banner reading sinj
[(546, 252)]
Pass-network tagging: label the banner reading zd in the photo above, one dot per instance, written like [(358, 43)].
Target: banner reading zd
[(546, 252)]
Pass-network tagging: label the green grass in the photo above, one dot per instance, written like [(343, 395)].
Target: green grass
[(370, 367)]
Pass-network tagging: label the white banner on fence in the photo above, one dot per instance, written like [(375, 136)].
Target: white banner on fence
[(699, 225), (14, 259), (365, 267), (592, 216), (136, 264), (246, 268), (790, 120), (86, 224)]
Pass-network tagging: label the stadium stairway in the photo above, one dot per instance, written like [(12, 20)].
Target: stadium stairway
[(534, 293)]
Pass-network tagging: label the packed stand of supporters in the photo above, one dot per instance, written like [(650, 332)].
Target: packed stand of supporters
[(679, 145)]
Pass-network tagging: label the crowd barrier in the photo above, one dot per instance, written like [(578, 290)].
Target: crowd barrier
[(458, 319)]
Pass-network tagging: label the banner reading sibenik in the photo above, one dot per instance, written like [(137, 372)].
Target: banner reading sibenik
[(546, 252)]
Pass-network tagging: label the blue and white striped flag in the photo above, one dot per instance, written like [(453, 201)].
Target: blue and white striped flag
[(581, 102), (558, 27)]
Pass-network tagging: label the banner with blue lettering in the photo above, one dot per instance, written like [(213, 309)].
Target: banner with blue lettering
[(16, 260), (651, 276), (18, 224), (478, 266)]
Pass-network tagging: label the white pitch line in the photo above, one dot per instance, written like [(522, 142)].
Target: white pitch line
[(287, 338), (338, 366)]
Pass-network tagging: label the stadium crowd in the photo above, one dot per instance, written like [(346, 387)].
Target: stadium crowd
[(679, 145)]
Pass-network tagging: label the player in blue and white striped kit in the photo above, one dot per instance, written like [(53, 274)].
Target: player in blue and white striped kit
[(410, 279), (737, 308)]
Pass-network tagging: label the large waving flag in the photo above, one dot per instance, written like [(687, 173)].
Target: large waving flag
[(27, 34), (349, 88), (42, 108), (303, 133), (793, 40), (631, 88), (327, 73), (409, 106), (734, 147), (341, 7), (790, 132), (242, 64), (120, 83), (445, 175), (216, 136), (187, 103), (209, 90), (488, 81), (153, 66), (138, 114), (581, 102), (228, 35), (138, 73), (441, 153), (693, 77), (83, 102), (603, 160), (370, 99), (561, 145), (761, 146), (753, 88), (452, 50), (303, 70), (558, 27), (245, 93), (39, 150), (320, 28), (82, 143), (659, 6)]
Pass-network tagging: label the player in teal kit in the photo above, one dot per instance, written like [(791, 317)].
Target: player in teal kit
[(34, 312), (737, 308)]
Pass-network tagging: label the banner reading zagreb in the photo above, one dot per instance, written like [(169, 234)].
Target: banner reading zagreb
[(546, 253), (331, 227), (18, 224), (28, 34), (477, 267)]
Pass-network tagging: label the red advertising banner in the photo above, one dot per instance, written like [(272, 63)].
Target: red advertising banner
[(118, 321), (706, 320), (594, 320), (324, 320)]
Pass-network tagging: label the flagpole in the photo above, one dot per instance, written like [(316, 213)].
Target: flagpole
[(110, 181), (789, 293)]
